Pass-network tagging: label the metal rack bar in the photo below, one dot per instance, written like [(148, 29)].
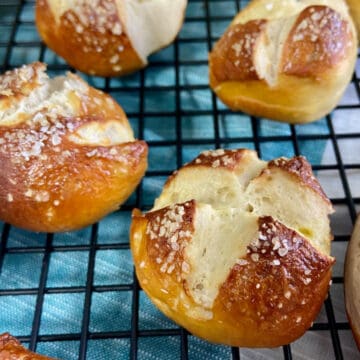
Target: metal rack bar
[(8, 45), (41, 292), (343, 177), (88, 293)]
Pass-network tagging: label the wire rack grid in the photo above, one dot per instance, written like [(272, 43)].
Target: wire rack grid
[(75, 295)]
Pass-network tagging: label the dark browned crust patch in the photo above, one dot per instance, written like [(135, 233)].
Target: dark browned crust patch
[(319, 40), (276, 281), (232, 56)]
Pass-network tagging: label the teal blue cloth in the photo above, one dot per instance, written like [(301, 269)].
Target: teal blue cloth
[(111, 310)]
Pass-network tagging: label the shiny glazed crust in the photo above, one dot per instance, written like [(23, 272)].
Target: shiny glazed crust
[(290, 65), (78, 44), (352, 283), (94, 37), (67, 152), (11, 349), (272, 291)]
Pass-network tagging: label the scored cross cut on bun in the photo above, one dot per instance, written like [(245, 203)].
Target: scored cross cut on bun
[(236, 249), (285, 60), (68, 155), (108, 37)]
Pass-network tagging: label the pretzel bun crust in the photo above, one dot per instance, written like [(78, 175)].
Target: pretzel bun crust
[(11, 349), (285, 60), (352, 282), (67, 152), (236, 249), (354, 8), (108, 37)]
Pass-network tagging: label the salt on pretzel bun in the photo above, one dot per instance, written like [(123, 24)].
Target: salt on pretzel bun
[(285, 60), (108, 37), (236, 249), (67, 152)]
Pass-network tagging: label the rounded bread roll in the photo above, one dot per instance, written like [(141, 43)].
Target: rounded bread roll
[(67, 152), (354, 7), (11, 349), (108, 37), (285, 60), (236, 249), (352, 282)]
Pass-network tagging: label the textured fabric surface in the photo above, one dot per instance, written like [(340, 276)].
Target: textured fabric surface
[(179, 123)]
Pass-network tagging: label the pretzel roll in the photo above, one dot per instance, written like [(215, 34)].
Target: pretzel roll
[(11, 349), (354, 7), (108, 37), (67, 152), (236, 249), (285, 60), (352, 282)]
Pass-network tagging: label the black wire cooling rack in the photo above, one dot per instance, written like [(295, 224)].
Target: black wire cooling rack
[(169, 105)]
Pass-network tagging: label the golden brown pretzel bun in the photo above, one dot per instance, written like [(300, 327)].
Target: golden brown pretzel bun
[(236, 249), (11, 349), (285, 60), (354, 7), (108, 37), (352, 282), (67, 151)]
